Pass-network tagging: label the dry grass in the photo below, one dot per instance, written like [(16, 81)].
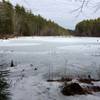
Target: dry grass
[(7, 36)]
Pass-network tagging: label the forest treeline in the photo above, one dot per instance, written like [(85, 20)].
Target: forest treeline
[(89, 28), (16, 20)]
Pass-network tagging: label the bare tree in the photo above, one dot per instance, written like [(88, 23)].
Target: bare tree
[(85, 3)]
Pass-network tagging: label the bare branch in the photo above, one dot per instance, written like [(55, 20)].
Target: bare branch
[(97, 6), (81, 7)]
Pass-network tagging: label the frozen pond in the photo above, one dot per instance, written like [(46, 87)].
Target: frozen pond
[(58, 52), (58, 55)]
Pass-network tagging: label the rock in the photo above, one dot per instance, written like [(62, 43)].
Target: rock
[(72, 89), (31, 65), (35, 69)]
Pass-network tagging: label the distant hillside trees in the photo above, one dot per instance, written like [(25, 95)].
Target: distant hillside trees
[(17, 20), (6, 16), (88, 28)]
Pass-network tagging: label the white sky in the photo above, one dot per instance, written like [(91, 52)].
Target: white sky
[(60, 10)]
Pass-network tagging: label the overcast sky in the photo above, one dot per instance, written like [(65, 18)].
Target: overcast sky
[(60, 11)]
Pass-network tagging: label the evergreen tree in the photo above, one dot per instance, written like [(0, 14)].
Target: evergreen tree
[(17, 20), (88, 28)]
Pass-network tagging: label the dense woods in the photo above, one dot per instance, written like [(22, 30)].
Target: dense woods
[(88, 28), (19, 21)]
